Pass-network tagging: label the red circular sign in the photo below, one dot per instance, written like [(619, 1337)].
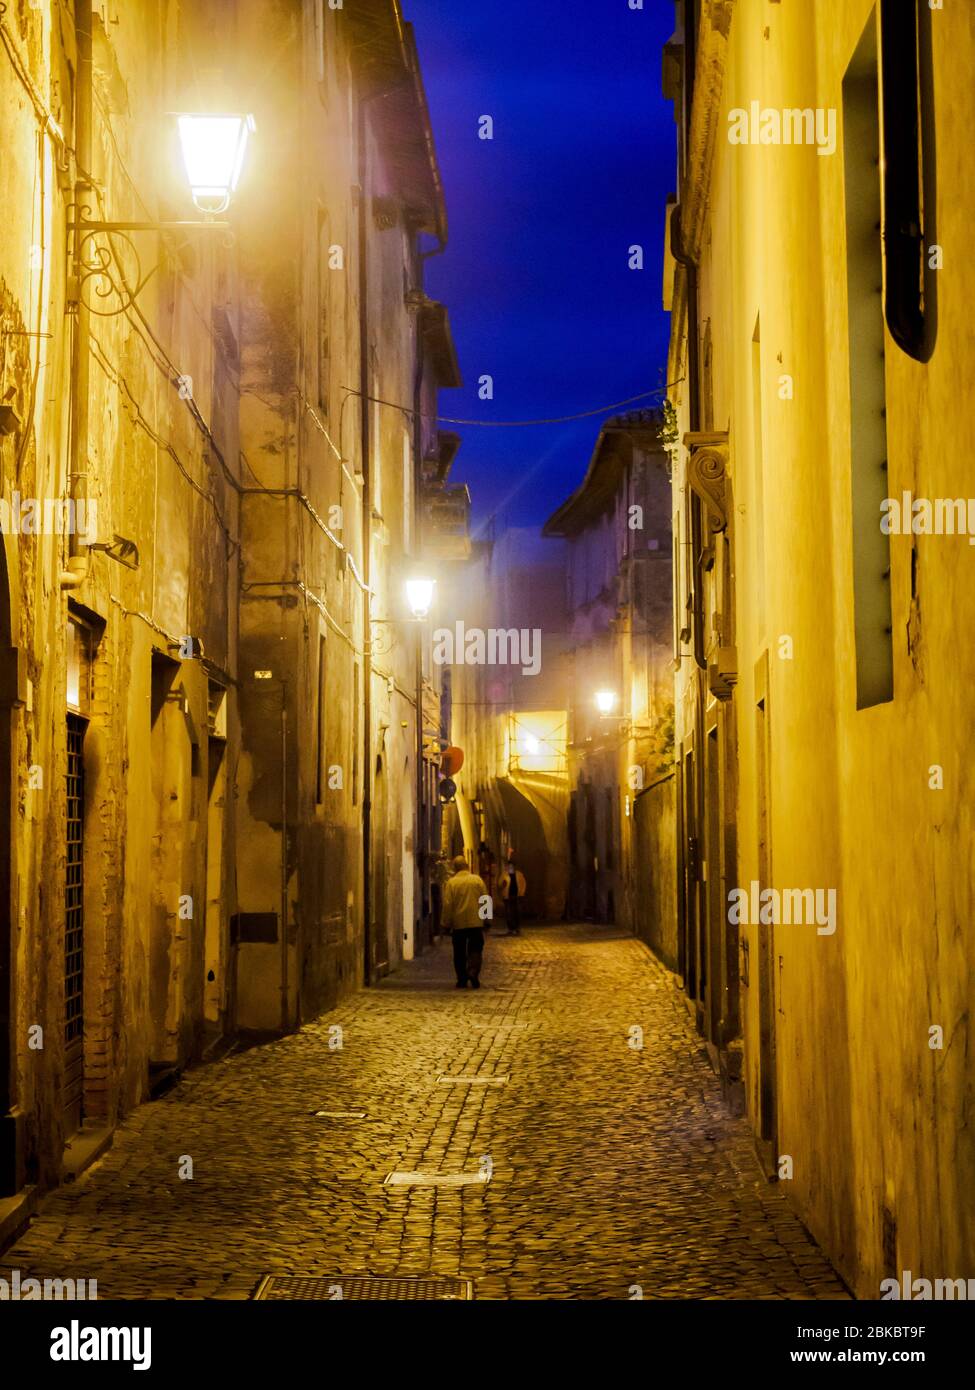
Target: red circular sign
[(451, 761)]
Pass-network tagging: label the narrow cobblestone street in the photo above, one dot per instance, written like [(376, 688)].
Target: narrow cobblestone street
[(610, 1166)]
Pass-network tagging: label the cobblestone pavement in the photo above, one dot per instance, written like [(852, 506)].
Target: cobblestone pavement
[(610, 1166)]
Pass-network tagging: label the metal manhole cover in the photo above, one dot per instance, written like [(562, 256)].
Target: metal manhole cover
[(490, 1079), (336, 1287)]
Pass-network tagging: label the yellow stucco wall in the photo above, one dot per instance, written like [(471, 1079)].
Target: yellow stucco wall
[(872, 1117)]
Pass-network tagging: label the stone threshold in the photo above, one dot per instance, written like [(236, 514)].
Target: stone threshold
[(83, 1149), (15, 1215)]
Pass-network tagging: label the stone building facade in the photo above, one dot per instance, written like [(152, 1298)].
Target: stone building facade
[(508, 681), (209, 740), (820, 293), (616, 527)]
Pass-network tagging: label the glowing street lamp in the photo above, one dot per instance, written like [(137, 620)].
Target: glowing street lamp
[(605, 701), (213, 155), (419, 596)]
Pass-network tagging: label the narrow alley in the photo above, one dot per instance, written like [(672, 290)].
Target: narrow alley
[(615, 1171), (485, 547)]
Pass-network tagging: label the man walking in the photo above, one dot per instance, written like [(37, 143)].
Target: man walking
[(513, 887), (462, 898)]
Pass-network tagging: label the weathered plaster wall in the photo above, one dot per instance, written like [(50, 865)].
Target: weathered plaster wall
[(863, 1100), (155, 475)]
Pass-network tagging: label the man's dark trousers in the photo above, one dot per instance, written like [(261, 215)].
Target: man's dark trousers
[(468, 949)]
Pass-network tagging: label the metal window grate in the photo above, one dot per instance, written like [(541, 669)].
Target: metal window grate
[(74, 885), (427, 1287)]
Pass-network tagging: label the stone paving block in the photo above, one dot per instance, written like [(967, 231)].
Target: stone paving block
[(609, 1168)]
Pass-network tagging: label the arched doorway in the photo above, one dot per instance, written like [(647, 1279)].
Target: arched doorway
[(12, 680), (378, 963)]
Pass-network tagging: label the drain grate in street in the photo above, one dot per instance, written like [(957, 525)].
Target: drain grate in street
[(404, 1179), (337, 1287), (473, 1080)]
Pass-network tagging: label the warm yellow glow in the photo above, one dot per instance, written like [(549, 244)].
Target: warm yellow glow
[(419, 596), (74, 667), (605, 701), (536, 743), (213, 154)]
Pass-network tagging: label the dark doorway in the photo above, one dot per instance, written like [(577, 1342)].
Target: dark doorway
[(170, 762), (219, 972), (692, 971), (766, 941), (12, 1175), (379, 963)]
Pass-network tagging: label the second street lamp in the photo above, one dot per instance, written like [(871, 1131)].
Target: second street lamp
[(419, 596)]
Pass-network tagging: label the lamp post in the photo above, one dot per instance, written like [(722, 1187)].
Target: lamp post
[(418, 591), (213, 147), (419, 598)]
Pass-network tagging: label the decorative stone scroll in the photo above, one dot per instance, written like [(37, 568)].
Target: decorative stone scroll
[(707, 473)]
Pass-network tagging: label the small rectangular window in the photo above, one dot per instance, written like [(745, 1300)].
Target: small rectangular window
[(909, 235), (758, 464), (355, 733), (868, 392), (320, 40), (407, 492), (80, 645), (323, 314)]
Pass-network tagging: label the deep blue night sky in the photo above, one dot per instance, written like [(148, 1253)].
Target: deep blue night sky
[(541, 218)]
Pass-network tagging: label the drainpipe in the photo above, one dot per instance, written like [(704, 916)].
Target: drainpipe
[(688, 828), (690, 272), (79, 556), (420, 845), (693, 404), (422, 823), (366, 437), (285, 1011), (364, 429)]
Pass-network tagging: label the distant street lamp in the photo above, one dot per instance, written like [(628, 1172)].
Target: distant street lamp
[(605, 701), (213, 155), (419, 596)]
